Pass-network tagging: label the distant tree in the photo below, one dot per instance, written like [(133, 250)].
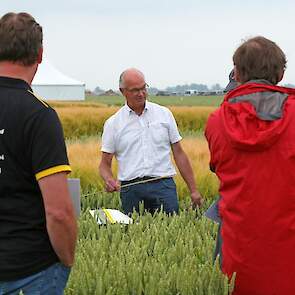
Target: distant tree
[(88, 92), (111, 92), (216, 87), (183, 88), (199, 87), (98, 90), (153, 90)]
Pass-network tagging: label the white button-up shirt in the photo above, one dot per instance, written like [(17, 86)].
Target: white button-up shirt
[(141, 144)]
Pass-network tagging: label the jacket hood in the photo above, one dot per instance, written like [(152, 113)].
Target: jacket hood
[(253, 115)]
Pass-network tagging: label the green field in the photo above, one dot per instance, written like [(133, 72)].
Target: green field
[(163, 100), (156, 255)]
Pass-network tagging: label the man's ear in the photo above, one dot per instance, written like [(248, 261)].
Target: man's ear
[(122, 90), (40, 55), (237, 75)]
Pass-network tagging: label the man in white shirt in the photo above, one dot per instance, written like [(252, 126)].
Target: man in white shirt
[(140, 135)]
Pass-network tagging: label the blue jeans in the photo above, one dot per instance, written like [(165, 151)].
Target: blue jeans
[(154, 195), (50, 281)]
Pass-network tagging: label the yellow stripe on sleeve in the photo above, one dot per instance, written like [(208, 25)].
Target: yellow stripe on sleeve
[(53, 170)]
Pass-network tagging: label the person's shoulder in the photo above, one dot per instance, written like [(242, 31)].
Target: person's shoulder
[(215, 115), (32, 106), (116, 116), (34, 102), (157, 107), (214, 119)]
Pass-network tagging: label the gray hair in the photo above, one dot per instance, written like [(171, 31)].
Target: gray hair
[(121, 80)]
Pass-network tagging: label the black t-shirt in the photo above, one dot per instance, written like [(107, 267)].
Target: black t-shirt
[(31, 147)]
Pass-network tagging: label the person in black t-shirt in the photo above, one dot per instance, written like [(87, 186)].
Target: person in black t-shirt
[(38, 229)]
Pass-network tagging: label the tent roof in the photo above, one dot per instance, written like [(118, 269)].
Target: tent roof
[(47, 74)]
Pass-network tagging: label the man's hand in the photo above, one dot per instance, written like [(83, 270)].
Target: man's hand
[(197, 199), (187, 173), (105, 169), (112, 185)]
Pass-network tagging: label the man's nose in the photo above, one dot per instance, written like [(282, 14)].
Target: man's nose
[(141, 92)]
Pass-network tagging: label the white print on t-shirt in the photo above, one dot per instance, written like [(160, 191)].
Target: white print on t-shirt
[(1, 156)]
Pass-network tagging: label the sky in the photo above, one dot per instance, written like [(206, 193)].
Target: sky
[(172, 42)]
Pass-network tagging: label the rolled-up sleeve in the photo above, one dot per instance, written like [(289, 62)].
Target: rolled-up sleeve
[(174, 135)]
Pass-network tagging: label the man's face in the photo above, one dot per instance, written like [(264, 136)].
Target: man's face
[(135, 90)]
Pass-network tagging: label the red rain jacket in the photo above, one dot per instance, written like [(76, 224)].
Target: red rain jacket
[(254, 160)]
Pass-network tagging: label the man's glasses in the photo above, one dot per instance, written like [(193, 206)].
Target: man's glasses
[(136, 91)]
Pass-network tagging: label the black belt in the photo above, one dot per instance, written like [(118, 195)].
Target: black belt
[(137, 179)]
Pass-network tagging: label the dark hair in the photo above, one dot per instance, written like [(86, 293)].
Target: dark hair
[(259, 58), (20, 38)]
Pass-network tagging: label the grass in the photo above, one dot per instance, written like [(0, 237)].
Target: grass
[(156, 255), (162, 100), (74, 104), (84, 121)]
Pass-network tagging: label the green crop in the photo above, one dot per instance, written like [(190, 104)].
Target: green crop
[(156, 255)]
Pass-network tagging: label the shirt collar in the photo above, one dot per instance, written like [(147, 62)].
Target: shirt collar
[(130, 111), (14, 83)]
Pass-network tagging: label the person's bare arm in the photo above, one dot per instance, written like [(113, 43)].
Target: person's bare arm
[(105, 170), (60, 217), (186, 172)]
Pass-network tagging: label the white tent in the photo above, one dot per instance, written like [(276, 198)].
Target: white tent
[(49, 83)]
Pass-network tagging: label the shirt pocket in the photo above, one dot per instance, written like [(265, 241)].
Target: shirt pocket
[(159, 133)]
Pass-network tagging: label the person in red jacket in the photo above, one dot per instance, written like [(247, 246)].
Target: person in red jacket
[(251, 139)]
